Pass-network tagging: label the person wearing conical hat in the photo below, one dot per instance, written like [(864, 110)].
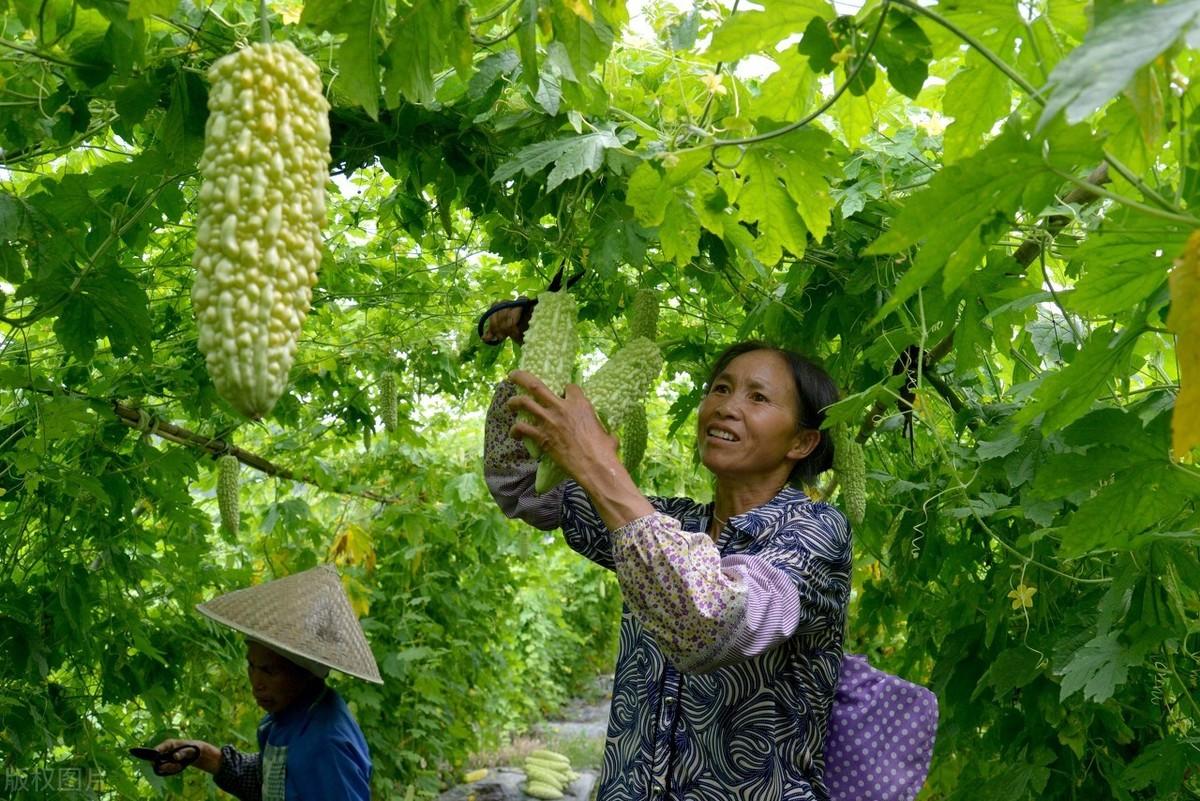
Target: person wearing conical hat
[(310, 747)]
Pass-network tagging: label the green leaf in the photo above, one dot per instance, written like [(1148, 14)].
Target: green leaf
[(1096, 71), (975, 97), (1125, 267), (1017, 778), (527, 41), (788, 92), (765, 200), (1098, 668), (1011, 670), (818, 46), (651, 189), (805, 169), (14, 222), (490, 70), (1011, 172), (682, 33), (107, 303), (587, 43), (139, 9), (571, 157), (995, 23), (549, 91), (904, 51), (358, 54), (750, 31), (1143, 497), (680, 233), (1163, 764), (1066, 395)]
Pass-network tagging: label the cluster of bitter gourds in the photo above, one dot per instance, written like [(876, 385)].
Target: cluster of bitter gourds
[(548, 774), (850, 465), (262, 205), (616, 389)]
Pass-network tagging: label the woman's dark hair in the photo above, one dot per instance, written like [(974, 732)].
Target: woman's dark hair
[(815, 391)]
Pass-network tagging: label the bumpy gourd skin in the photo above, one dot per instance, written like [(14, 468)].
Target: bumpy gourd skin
[(634, 437), (262, 206), (850, 464), (643, 322), (615, 389), (643, 314), (227, 492), (549, 349), (387, 394)]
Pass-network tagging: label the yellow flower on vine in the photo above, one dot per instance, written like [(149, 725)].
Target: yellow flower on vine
[(714, 83), (1022, 596)]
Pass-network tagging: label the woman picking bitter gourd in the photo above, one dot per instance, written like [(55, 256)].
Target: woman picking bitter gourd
[(731, 643)]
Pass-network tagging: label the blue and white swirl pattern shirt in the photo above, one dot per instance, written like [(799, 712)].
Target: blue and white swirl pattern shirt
[(729, 651)]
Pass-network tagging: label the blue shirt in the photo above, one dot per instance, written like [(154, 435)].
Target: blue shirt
[(327, 755)]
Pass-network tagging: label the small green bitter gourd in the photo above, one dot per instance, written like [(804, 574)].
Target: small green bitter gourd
[(387, 401), (850, 464), (643, 322), (227, 492), (643, 314), (634, 436)]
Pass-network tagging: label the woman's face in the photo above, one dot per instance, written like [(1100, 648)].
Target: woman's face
[(275, 681), (747, 427)]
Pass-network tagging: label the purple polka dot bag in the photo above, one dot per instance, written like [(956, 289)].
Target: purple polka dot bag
[(881, 733)]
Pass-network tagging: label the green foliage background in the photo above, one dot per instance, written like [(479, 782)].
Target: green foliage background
[(1003, 185)]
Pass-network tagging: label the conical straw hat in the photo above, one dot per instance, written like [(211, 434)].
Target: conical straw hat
[(306, 615)]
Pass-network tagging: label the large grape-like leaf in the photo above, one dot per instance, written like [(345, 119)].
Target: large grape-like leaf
[(1093, 73), (571, 157)]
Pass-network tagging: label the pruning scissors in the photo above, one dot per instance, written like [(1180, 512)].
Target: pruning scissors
[(163, 758), (526, 304)]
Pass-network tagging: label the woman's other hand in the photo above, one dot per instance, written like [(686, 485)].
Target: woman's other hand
[(510, 323)]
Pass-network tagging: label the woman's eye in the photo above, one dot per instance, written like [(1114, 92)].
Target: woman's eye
[(758, 396)]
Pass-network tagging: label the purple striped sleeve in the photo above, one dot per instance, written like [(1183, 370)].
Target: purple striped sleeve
[(510, 471), (704, 611)]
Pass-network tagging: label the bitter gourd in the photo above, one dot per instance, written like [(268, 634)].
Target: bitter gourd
[(617, 387), (850, 464), (261, 208), (550, 343), (387, 401), (227, 492), (643, 314)]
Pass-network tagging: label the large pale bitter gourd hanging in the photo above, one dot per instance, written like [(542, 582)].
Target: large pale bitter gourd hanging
[(549, 349), (262, 206)]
